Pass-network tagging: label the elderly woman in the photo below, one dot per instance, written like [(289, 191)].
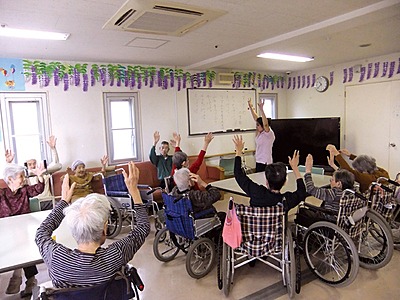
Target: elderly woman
[(364, 168), (14, 200), (83, 178), (90, 264)]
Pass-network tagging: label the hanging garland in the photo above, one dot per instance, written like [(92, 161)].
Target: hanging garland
[(134, 76)]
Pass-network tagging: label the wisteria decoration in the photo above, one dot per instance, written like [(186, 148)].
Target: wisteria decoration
[(298, 82), (376, 71), (184, 80), (126, 80), (103, 76), (289, 83), (369, 71), (362, 74), (56, 77), (282, 83), (139, 81), (351, 73), (308, 81), (385, 67), (398, 67), (313, 80), (172, 76), (391, 69), (303, 81), (294, 82), (331, 73), (92, 78), (66, 82), (85, 82), (77, 77), (344, 75), (46, 79), (34, 75), (151, 80), (272, 86)]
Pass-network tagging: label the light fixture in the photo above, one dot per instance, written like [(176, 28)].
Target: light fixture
[(32, 34), (285, 57)]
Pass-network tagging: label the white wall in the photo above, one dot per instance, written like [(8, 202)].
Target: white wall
[(77, 117)]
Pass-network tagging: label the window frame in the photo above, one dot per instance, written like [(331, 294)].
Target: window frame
[(274, 98), (9, 142), (133, 97)]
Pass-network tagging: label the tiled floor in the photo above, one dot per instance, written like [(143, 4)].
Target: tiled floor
[(171, 281)]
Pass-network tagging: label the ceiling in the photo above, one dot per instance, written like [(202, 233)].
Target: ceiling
[(330, 31)]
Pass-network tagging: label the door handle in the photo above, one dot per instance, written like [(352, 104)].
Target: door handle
[(392, 144)]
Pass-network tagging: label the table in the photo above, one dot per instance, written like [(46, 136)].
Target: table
[(17, 235)]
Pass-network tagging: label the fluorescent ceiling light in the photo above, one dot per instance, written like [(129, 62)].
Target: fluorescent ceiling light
[(285, 57), (32, 34)]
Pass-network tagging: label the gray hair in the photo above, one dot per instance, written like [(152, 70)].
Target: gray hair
[(181, 178), (12, 170), (365, 164), (178, 158), (86, 218)]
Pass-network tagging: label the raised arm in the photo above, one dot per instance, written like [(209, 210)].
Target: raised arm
[(153, 156), (207, 140), (294, 163), (263, 116), (252, 110), (131, 181), (104, 163), (55, 165)]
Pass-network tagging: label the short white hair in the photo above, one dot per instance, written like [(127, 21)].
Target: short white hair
[(12, 170), (86, 218), (181, 178)]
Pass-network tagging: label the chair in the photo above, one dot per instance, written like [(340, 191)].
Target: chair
[(123, 286), (191, 233), (227, 164), (314, 170), (265, 237)]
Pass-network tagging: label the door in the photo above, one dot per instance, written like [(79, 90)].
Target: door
[(372, 122)]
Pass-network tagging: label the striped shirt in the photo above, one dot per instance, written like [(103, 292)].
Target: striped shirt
[(72, 268), (331, 197)]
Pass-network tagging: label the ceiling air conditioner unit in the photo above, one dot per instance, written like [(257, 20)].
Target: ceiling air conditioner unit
[(225, 78), (157, 17)]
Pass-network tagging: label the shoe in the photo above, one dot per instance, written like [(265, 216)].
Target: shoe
[(29, 285), (13, 285)]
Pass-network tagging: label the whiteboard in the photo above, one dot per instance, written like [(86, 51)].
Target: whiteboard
[(219, 110)]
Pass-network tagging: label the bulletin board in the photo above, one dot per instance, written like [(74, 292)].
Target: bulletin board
[(219, 110)]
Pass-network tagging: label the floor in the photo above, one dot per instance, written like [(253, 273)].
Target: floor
[(171, 281)]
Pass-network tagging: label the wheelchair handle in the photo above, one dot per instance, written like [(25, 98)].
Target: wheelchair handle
[(393, 182), (137, 281), (384, 187), (153, 190), (356, 194)]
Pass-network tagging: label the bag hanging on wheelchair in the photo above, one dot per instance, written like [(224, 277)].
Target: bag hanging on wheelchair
[(232, 232)]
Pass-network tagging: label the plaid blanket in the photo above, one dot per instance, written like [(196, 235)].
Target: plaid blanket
[(349, 203), (383, 202), (262, 229)]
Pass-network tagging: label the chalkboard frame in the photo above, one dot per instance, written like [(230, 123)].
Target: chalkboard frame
[(224, 130)]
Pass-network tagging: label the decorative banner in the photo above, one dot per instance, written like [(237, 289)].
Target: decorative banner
[(313, 80), (369, 72), (398, 67), (303, 81), (289, 82), (362, 74), (350, 74), (11, 75), (298, 82), (294, 83), (391, 69), (331, 77), (376, 71), (385, 67), (344, 75)]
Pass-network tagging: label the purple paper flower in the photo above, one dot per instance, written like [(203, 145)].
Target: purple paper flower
[(385, 67), (139, 81), (344, 75), (66, 82), (369, 72), (77, 77), (391, 69), (103, 76), (85, 82), (179, 83), (184, 79), (289, 82), (159, 79), (172, 78), (376, 71), (34, 75), (92, 78)]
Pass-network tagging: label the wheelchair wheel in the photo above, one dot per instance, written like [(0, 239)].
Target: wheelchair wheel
[(114, 220), (227, 268), (376, 242), (331, 254), (164, 248), (395, 227), (289, 261), (200, 258)]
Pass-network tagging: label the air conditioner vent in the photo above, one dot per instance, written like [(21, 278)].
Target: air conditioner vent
[(158, 17), (178, 10), (124, 17), (225, 78)]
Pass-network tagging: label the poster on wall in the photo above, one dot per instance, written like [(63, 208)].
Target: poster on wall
[(11, 75)]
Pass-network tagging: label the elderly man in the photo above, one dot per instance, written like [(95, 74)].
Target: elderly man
[(90, 264)]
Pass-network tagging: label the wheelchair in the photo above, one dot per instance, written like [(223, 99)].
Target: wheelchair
[(382, 200), (122, 212), (125, 285), (193, 234), (338, 243), (266, 237)]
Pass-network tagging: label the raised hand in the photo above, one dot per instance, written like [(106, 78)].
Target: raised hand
[(156, 137), (131, 180), (208, 138), (294, 161), (66, 190), (239, 144), (332, 148), (176, 142), (52, 142), (345, 152), (39, 170), (309, 163), (9, 156), (331, 161), (104, 160)]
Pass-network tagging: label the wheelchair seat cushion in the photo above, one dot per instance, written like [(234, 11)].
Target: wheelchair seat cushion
[(262, 229)]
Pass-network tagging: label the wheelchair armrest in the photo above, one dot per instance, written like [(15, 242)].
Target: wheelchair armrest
[(144, 187), (319, 208)]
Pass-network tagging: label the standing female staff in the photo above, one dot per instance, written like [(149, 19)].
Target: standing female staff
[(265, 137)]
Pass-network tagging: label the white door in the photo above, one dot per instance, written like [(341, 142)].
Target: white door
[(372, 122)]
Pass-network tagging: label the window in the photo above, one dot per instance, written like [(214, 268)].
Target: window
[(122, 130), (25, 126), (270, 105)]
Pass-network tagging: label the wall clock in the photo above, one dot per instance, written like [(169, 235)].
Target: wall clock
[(321, 84)]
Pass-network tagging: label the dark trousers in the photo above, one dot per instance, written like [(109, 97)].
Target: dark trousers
[(30, 271)]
